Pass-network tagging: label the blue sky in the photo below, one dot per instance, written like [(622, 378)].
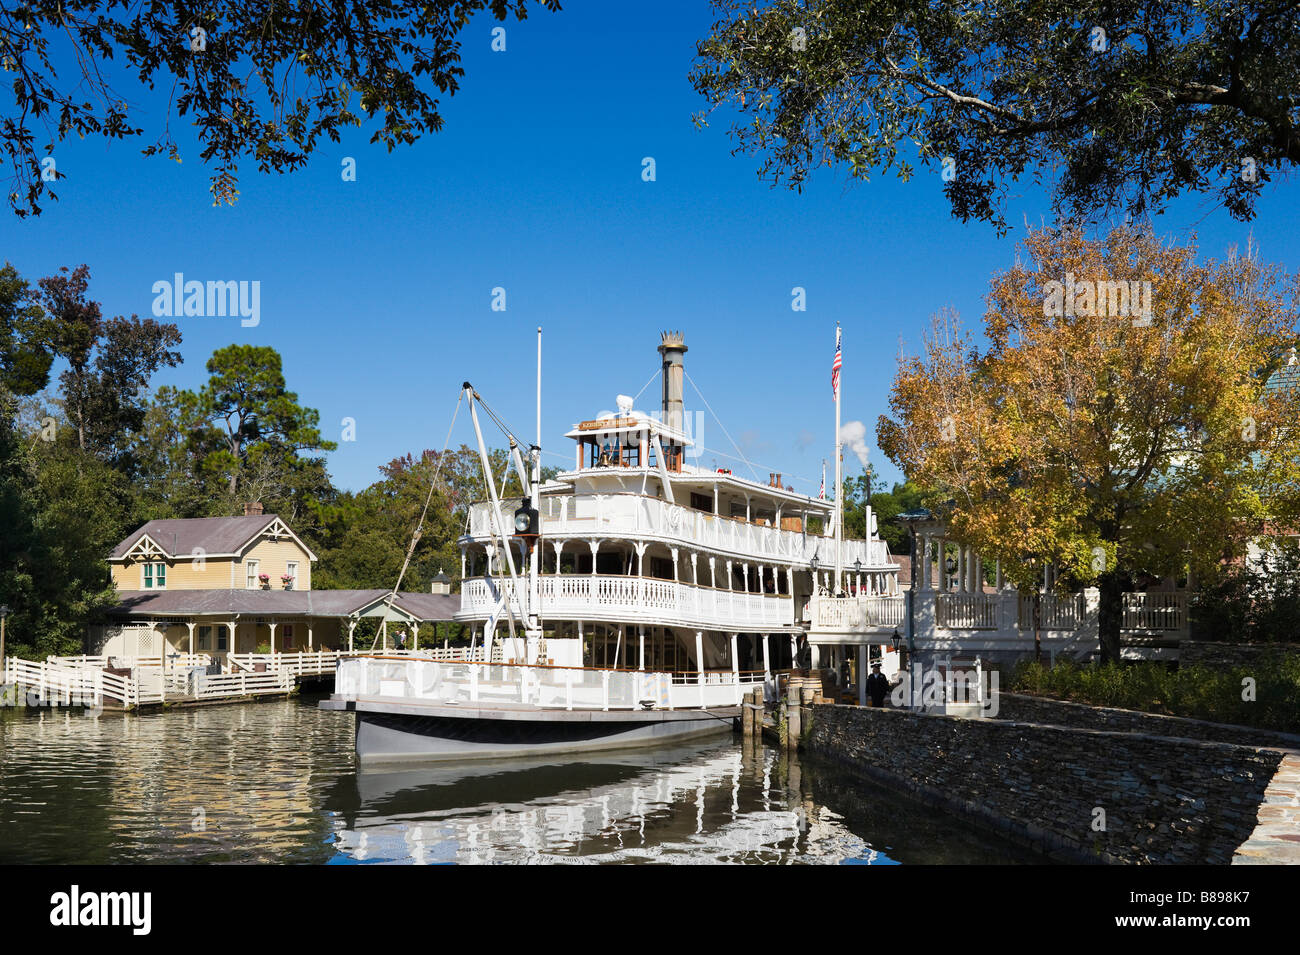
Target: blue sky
[(377, 293)]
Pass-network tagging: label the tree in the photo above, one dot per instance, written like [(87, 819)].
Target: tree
[(110, 363), (1135, 103), (247, 429), (259, 81), (24, 359), (1110, 443)]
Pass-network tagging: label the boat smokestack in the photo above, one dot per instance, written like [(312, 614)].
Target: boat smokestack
[(673, 348)]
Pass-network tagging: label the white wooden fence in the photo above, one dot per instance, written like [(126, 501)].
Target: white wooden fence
[(968, 611)]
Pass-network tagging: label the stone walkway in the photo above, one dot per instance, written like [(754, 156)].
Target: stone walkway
[(1276, 839)]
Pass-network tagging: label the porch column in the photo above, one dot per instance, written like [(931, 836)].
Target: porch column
[(676, 578), (862, 674), (744, 575), (728, 575), (641, 647), (921, 572), (595, 547), (272, 625), (230, 644), (415, 634), (713, 572), (699, 655), (310, 645), (767, 655), (462, 564), (558, 547), (789, 579), (352, 626), (794, 652), (735, 657), (191, 626)]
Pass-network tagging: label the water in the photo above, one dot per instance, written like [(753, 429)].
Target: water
[(278, 782)]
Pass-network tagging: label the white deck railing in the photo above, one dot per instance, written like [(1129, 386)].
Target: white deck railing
[(1159, 612), (1055, 612), (567, 688), (849, 614), (968, 611), (632, 515), (637, 599)]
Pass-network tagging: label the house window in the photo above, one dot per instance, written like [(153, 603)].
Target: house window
[(205, 638), (155, 576), (291, 571), (252, 567), (221, 638), (288, 635)]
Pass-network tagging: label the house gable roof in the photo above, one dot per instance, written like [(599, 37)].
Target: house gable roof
[(209, 536)]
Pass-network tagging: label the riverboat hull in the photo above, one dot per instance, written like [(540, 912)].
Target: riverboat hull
[(388, 732)]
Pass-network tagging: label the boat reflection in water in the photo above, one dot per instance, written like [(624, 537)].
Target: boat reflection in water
[(710, 803)]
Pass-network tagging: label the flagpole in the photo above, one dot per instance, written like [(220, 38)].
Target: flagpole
[(839, 477)]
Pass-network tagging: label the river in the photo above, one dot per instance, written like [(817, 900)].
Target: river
[(278, 782)]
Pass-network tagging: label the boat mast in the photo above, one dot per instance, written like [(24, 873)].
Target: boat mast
[(498, 531), (839, 475), (535, 498)]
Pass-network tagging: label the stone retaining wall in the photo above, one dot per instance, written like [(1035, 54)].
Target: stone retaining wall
[(1020, 708), (1213, 653), (1165, 800)]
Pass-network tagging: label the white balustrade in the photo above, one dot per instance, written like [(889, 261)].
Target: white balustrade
[(636, 599), (647, 517), (1155, 612), (968, 611), (850, 614), (567, 688)]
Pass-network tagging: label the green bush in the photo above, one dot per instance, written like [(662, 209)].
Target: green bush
[(1252, 603), (1198, 692)]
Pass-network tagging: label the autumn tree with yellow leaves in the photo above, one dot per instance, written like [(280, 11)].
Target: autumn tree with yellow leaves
[(1114, 422)]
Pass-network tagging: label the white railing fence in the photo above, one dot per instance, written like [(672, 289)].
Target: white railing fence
[(968, 611), (876, 612), (1055, 612), (647, 516), (568, 688), (1155, 612)]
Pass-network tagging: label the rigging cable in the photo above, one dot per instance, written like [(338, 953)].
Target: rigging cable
[(721, 425), (419, 527)]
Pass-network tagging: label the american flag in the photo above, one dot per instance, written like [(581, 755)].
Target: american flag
[(838, 363)]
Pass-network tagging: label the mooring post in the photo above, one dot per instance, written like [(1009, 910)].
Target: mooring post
[(792, 721)]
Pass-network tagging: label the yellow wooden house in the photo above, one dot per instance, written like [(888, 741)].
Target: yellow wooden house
[(217, 585)]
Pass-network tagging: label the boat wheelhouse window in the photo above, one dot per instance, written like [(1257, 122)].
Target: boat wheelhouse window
[(701, 502)]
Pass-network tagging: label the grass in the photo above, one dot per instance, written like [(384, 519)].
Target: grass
[(1217, 694)]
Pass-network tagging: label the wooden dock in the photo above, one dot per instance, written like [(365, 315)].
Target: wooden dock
[(179, 680)]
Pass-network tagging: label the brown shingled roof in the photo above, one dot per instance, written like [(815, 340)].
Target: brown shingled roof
[(192, 535), (279, 603)]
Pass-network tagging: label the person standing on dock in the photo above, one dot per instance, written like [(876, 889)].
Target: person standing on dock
[(877, 686)]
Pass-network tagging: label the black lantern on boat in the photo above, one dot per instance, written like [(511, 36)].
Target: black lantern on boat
[(528, 522)]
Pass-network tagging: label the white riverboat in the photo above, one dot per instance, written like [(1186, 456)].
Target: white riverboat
[(633, 600)]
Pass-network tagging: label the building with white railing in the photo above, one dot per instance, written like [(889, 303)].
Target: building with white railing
[(648, 562), (961, 608)]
